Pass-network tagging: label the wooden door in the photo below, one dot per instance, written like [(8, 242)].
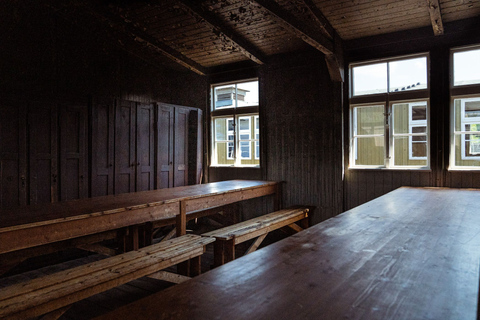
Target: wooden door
[(145, 166), (73, 152), (42, 132), (195, 147), (180, 162), (125, 147), (165, 121), (103, 127), (13, 155)]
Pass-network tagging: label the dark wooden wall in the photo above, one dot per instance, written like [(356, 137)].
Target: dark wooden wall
[(364, 185), (61, 75), (300, 133)]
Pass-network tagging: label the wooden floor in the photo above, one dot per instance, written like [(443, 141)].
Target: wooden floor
[(112, 299)]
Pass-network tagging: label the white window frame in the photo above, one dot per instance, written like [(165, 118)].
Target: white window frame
[(236, 113), (230, 143), (388, 99), (416, 124), (465, 92), (256, 139)]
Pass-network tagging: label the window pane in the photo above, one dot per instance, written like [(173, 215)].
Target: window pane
[(465, 151), (419, 113), (370, 79), (419, 129), (370, 151), (224, 153), (466, 67), (369, 120), (245, 149), (244, 137), (244, 123), (472, 109), (408, 152), (410, 74), (220, 129), (247, 93)]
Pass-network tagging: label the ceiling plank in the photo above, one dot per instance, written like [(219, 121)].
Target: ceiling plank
[(297, 27), (223, 31), (119, 23), (435, 16)]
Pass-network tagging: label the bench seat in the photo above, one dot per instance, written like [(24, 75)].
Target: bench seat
[(259, 227), (59, 290)]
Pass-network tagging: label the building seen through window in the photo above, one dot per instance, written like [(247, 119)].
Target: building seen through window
[(389, 106), (235, 124)]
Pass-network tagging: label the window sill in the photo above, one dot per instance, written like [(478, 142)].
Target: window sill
[(390, 169), (465, 169), (237, 167)]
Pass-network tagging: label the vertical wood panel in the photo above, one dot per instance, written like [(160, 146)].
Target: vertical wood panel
[(73, 153), (125, 147), (13, 155), (145, 147), (165, 123), (195, 147), (180, 168), (103, 127), (42, 126)]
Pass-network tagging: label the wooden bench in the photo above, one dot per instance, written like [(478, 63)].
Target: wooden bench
[(259, 227), (54, 293)]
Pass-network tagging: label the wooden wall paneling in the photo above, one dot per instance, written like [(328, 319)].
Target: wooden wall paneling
[(13, 155), (42, 128), (103, 128), (125, 161), (164, 144), (145, 147), (195, 146), (73, 152), (180, 167)]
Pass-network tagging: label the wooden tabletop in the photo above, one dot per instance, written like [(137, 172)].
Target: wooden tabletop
[(29, 226), (411, 254)]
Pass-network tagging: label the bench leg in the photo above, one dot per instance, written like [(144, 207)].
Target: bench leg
[(54, 315), (224, 251), (195, 266)]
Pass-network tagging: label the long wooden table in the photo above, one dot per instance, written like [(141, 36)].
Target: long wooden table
[(410, 254), (36, 225)]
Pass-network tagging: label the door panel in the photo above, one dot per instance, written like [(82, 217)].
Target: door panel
[(73, 152), (103, 126), (180, 168), (165, 122), (13, 155), (42, 128), (145, 147), (125, 147)]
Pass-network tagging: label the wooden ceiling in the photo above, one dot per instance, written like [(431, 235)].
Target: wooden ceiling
[(202, 35)]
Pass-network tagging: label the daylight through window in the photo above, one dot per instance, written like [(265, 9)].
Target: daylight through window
[(235, 124), (389, 113)]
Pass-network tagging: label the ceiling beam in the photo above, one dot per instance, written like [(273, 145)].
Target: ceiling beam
[(222, 30), (322, 22), (435, 16), (322, 42), (120, 24), (289, 22)]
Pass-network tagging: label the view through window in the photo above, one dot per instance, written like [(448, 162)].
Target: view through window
[(235, 124), (390, 113)]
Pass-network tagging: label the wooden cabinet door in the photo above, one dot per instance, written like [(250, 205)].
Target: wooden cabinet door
[(13, 155), (180, 162), (165, 120), (103, 128), (125, 162), (145, 166), (73, 152), (195, 147), (42, 132)]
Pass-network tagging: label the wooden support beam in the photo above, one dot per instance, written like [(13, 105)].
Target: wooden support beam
[(256, 244), (222, 30), (435, 16), (322, 22), (119, 23), (289, 22)]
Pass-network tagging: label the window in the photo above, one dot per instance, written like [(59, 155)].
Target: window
[(389, 113), (235, 124), (465, 114)]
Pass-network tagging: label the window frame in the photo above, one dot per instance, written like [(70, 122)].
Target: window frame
[(388, 99), (236, 113), (461, 91)]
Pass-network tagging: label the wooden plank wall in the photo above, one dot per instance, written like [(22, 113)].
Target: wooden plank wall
[(364, 185), (53, 65)]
